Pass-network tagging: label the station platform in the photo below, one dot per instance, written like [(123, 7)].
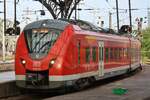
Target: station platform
[(7, 76), (137, 85), (7, 84)]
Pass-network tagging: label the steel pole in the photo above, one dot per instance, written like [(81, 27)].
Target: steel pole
[(75, 10), (110, 20), (130, 16), (15, 15), (117, 12), (4, 30), (78, 11)]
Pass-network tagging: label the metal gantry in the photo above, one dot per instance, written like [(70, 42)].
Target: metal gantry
[(60, 8)]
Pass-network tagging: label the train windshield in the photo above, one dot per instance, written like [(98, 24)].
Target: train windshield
[(39, 41)]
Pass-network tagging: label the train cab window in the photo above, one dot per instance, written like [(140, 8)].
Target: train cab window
[(40, 41), (94, 54), (106, 54), (87, 54), (79, 47)]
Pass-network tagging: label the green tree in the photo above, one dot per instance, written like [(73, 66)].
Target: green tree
[(146, 43)]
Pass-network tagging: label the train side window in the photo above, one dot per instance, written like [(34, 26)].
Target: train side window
[(111, 53), (79, 47), (115, 54), (87, 50), (126, 53), (106, 54), (120, 53), (94, 54), (123, 53)]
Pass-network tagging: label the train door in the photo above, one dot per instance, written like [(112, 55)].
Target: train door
[(101, 58)]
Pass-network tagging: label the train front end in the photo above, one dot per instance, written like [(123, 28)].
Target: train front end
[(39, 54)]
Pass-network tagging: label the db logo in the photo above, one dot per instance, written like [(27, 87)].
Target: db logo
[(37, 64)]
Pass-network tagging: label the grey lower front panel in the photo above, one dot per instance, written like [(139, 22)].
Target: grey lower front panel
[(52, 85)]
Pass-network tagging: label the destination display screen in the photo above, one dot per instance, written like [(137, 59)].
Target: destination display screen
[(43, 30)]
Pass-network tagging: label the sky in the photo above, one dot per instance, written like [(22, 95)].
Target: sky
[(101, 12)]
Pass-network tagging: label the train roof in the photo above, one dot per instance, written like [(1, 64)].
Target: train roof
[(48, 23), (62, 23)]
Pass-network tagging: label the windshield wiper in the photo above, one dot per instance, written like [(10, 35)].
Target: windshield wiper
[(49, 42), (39, 41)]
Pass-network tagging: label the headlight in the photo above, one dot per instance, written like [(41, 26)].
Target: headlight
[(23, 62), (52, 62)]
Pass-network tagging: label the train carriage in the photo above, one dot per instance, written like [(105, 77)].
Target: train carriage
[(54, 53)]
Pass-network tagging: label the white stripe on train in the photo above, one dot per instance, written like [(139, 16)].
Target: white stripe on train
[(81, 75)]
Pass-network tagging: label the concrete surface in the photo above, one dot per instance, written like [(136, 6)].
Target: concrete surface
[(138, 87), (8, 89), (7, 84), (7, 76)]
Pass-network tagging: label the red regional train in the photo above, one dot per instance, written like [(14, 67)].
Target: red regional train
[(51, 54)]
